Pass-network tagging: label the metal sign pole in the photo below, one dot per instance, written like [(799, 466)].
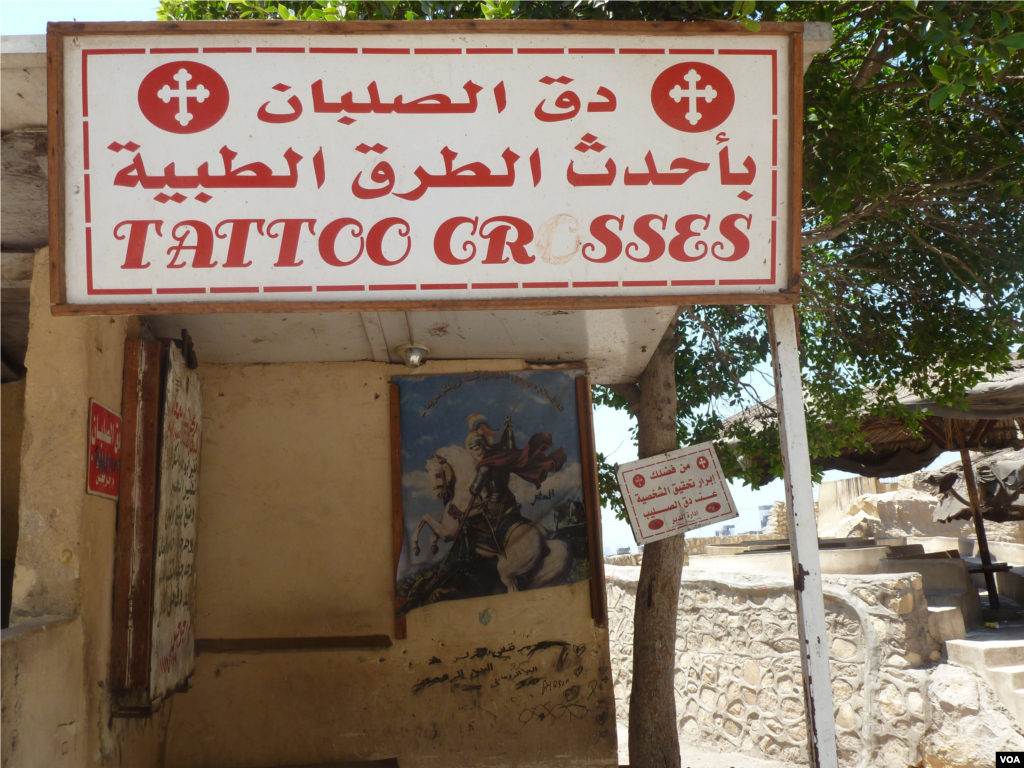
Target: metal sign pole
[(803, 539)]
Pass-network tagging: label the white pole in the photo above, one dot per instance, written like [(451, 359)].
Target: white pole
[(803, 538)]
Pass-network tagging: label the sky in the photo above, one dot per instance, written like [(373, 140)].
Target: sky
[(612, 428), (29, 17)]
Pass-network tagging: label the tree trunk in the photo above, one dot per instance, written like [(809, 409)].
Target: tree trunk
[(653, 735)]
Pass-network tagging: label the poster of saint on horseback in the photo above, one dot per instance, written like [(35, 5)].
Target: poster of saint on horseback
[(492, 485)]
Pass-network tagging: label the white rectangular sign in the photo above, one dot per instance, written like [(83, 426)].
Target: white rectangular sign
[(173, 638), (447, 166), (675, 492)]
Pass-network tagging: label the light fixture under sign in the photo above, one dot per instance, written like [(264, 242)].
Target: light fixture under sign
[(413, 354)]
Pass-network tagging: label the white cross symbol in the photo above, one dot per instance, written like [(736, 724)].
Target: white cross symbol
[(182, 94), (692, 94)]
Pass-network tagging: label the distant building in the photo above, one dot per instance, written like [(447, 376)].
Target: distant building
[(622, 551), (764, 511), (726, 530)]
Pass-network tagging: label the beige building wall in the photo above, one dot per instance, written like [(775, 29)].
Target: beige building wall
[(295, 540), (56, 654), (12, 425)]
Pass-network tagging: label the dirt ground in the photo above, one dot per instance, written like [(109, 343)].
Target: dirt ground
[(694, 757)]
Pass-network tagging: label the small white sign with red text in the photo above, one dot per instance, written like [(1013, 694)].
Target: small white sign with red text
[(399, 167), (675, 492)]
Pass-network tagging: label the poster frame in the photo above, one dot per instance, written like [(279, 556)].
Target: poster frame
[(591, 496)]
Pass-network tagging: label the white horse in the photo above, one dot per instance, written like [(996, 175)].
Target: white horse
[(530, 560)]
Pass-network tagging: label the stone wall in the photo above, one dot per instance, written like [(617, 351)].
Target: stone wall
[(903, 512), (836, 496), (635, 558), (698, 545), (778, 521), (738, 677)]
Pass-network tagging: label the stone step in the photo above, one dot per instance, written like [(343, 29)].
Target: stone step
[(1014, 676), (979, 654), (946, 623), (999, 662), (1015, 703), (1008, 685), (964, 599)]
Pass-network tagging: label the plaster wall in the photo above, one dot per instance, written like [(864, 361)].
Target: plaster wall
[(12, 425), (294, 540), (59, 638)]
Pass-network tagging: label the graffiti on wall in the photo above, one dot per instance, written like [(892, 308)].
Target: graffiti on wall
[(546, 682)]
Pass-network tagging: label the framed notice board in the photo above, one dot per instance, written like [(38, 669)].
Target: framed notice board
[(153, 638)]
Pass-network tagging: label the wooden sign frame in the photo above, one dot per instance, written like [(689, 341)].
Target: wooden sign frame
[(152, 645), (57, 32)]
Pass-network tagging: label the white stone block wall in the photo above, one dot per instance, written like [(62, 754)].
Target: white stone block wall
[(738, 678)]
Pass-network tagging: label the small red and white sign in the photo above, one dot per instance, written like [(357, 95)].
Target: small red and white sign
[(675, 492), (104, 451)]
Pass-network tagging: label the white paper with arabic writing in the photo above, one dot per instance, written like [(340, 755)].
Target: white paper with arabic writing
[(675, 492), (173, 654)]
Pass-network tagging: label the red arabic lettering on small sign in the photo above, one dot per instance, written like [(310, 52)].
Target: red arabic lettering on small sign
[(675, 492), (104, 451)]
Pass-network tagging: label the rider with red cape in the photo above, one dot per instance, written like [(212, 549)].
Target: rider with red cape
[(494, 513)]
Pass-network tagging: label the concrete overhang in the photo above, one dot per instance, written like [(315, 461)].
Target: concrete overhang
[(615, 343), (23, 84)]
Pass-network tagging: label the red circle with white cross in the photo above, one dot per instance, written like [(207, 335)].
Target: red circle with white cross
[(183, 97), (702, 462), (638, 481), (692, 97)]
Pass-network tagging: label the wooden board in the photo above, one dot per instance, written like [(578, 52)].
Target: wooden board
[(592, 499), (396, 498), (173, 655), (133, 565), (23, 190)]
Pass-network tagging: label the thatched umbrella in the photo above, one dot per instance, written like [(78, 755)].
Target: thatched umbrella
[(993, 420)]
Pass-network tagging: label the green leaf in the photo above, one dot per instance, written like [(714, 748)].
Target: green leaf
[(904, 13), (1014, 41), (956, 89), (938, 97), (749, 24), (939, 73)]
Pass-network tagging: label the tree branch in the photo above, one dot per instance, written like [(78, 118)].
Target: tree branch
[(630, 393), (875, 60)]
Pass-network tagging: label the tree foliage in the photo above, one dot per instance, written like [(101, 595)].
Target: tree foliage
[(912, 266)]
